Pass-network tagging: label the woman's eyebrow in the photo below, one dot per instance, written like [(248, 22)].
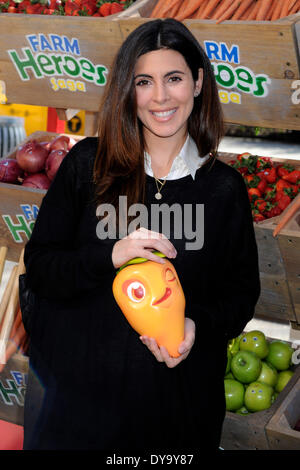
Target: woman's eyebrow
[(166, 75)]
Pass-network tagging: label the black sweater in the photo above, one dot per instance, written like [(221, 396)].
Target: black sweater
[(92, 383)]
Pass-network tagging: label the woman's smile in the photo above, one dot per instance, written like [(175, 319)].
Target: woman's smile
[(164, 116)]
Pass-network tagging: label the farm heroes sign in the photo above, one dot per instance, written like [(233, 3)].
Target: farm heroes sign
[(58, 58)]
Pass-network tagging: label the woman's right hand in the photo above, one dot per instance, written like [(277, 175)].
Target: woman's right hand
[(140, 243)]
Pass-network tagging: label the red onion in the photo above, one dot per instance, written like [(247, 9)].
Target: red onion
[(53, 162), (31, 156), (37, 181), (60, 143), (46, 145), (10, 170)]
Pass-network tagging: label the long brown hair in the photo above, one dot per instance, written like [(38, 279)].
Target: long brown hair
[(119, 165)]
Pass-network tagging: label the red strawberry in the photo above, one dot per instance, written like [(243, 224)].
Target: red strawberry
[(261, 205), (253, 194), (281, 184), (284, 169), (273, 212), (263, 162), (105, 9), (258, 217), (262, 185), (270, 193), (270, 174), (116, 8), (292, 177), (284, 201), (243, 155)]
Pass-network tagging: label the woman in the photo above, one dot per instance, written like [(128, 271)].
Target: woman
[(93, 383)]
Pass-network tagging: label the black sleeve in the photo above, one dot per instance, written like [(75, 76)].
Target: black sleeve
[(235, 297), (55, 266)]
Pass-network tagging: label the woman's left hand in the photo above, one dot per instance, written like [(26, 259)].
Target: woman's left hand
[(184, 349)]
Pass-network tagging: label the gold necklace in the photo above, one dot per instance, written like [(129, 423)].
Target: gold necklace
[(159, 185)]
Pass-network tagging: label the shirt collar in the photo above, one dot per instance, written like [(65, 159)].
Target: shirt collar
[(185, 163)]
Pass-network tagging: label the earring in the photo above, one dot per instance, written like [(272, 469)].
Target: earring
[(197, 93)]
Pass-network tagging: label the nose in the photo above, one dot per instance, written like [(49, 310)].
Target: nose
[(160, 93)]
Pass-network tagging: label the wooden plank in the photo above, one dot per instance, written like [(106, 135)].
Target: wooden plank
[(275, 302), (12, 389), (19, 208), (290, 251), (279, 430)]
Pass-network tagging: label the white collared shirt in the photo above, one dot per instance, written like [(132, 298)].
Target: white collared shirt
[(185, 163)]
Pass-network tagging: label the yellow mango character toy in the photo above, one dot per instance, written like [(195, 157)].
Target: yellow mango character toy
[(151, 298)]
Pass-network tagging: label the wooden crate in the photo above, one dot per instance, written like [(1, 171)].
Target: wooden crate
[(19, 207), (13, 381), (267, 52), (252, 431), (280, 429), (279, 264)]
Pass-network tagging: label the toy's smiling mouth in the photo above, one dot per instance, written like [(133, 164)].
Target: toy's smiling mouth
[(164, 297)]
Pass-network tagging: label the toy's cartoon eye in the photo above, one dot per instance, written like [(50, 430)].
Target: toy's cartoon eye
[(170, 276), (254, 338), (136, 291), (244, 340)]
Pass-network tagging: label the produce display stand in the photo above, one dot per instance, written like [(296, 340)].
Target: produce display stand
[(261, 430), (63, 63)]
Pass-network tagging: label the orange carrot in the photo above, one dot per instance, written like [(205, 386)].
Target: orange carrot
[(221, 8), (182, 6), (229, 12), (157, 9), (291, 5), (211, 5), (295, 8), (277, 10), (241, 9), (190, 8), (263, 10), (173, 11), (287, 214), (167, 6), (284, 9), (252, 15), (270, 12), (200, 11), (248, 11)]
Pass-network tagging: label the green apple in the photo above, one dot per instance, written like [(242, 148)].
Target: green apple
[(280, 354), (268, 374), (255, 341), (246, 366), (243, 411), (234, 345), (283, 378), (258, 397), (228, 362), (234, 394)]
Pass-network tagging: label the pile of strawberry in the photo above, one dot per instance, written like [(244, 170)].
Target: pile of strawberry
[(65, 7), (271, 187)]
